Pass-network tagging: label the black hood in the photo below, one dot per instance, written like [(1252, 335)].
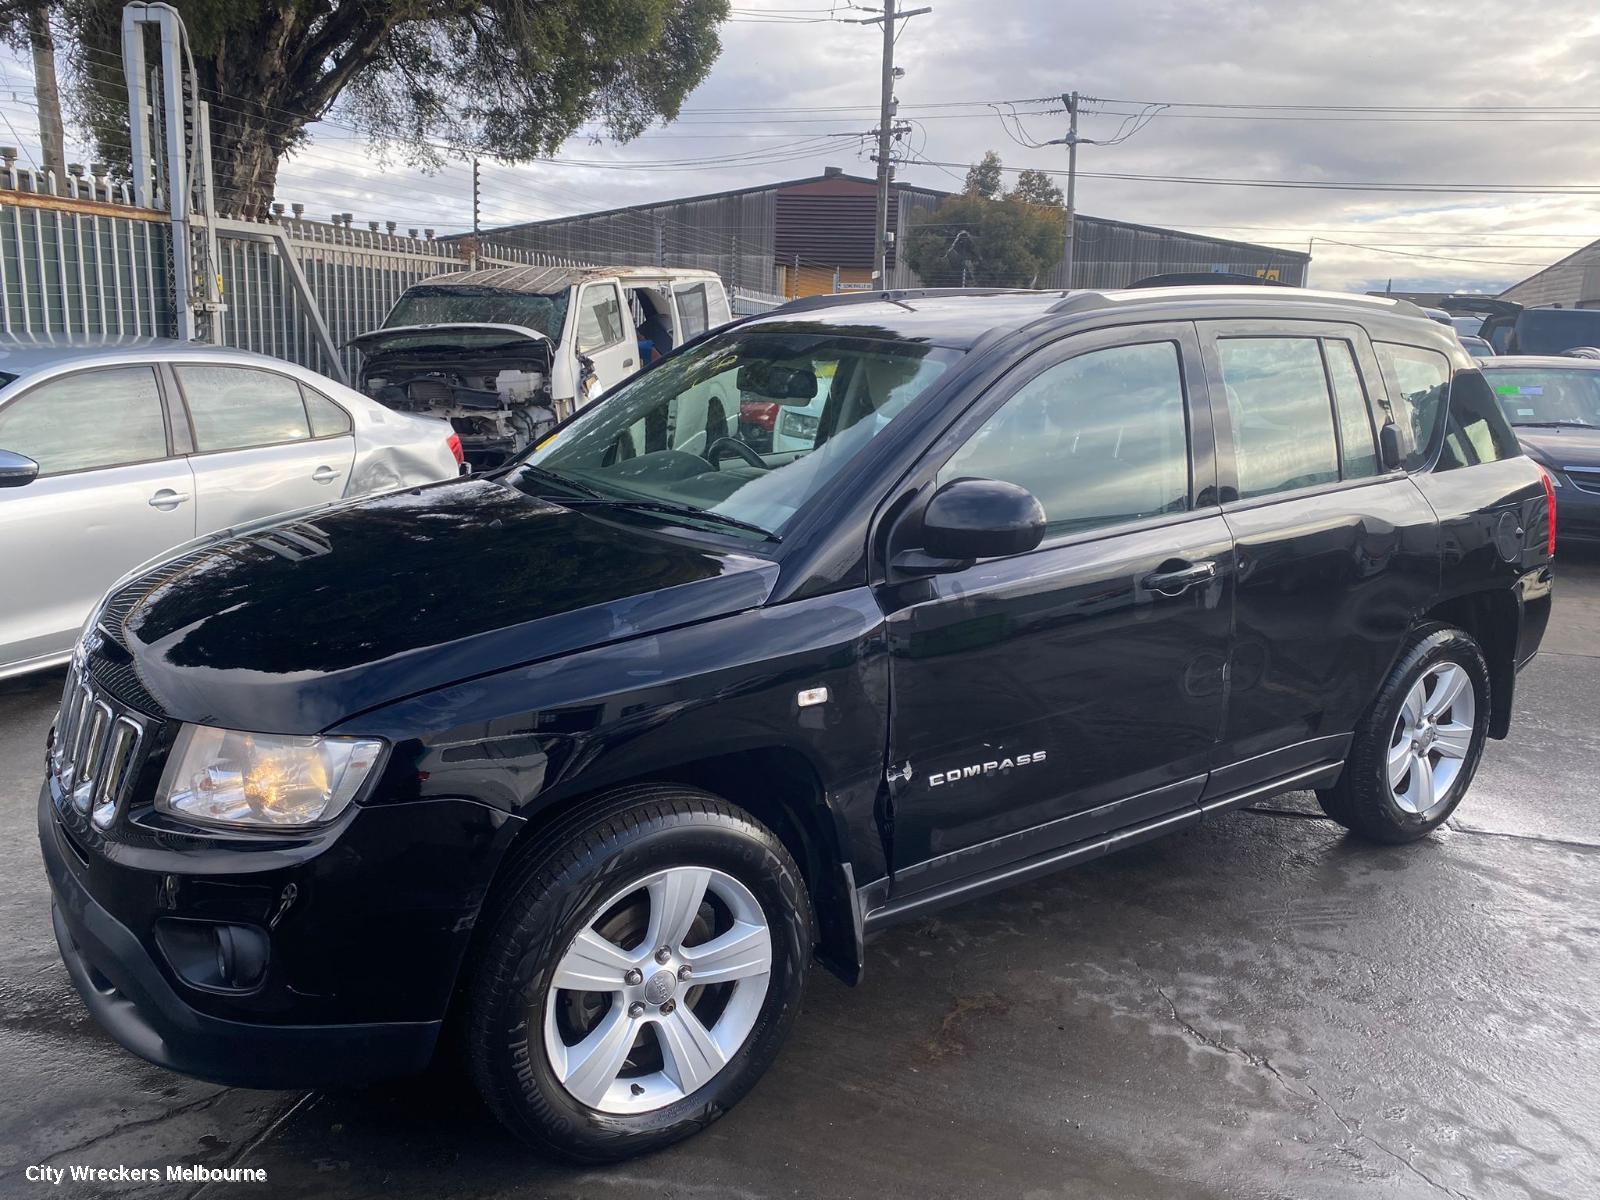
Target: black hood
[(1561, 446), (293, 627)]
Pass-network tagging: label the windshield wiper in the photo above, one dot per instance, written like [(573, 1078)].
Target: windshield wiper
[(561, 481), (1556, 424), (678, 510)]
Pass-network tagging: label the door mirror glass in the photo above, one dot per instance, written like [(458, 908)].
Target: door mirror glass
[(16, 469), (1389, 446), (969, 519)]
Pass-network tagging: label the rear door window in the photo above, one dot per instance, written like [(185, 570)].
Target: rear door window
[(1358, 452), (1419, 384), (1280, 412), (88, 420), (234, 408)]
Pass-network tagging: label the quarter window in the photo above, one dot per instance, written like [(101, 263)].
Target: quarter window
[(327, 418), (1358, 451), (237, 407), (91, 419), (1477, 430), (599, 319), (1279, 409), (1419, 380), (1098, 439)]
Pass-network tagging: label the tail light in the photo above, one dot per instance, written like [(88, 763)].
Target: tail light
[(1550, 496), (454, 442), (763, 414)]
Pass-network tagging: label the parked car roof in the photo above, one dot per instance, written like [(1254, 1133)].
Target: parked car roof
[(23, 354), (1541, 361), (957, 317), (555, 279)]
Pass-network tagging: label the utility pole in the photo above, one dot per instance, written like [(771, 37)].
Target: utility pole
[(886, 131), (1072, 189)]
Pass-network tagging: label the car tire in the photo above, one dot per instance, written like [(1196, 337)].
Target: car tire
[(626, 1065), (1417, 749)]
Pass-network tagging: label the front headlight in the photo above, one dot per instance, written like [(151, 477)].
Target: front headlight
[(262, 780)]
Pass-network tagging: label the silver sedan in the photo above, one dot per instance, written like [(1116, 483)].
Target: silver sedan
[(112, 453)]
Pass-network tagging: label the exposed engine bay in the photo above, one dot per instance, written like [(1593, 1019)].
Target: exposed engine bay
[(497, 400)]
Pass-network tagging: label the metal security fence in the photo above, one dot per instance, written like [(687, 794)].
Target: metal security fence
[(77, 257)]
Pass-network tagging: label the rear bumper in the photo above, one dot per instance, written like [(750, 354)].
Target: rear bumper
[(128, 995)]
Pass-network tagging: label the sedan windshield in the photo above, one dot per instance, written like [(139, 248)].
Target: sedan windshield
[(1547, 395), (744, 428), (460, 305)]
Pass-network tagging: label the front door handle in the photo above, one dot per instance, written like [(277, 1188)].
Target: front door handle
[(627, 362), (1179, 577), (324, 475), (167, 499)]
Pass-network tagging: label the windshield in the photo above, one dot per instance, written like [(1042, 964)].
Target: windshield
[(749, 425), (1535, 395), (452, 305)]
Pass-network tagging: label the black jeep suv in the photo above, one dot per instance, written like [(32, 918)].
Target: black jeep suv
[(586, 758)]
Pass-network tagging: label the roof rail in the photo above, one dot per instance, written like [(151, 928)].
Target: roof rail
[(891, 296), (1085, 301)]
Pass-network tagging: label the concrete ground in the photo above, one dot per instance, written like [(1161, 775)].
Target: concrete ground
[(1260, 1007)]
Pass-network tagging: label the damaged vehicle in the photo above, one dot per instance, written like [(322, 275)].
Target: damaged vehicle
[(505, 353)]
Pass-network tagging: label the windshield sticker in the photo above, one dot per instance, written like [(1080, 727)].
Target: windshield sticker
[(1526, 412), (1522, 390)]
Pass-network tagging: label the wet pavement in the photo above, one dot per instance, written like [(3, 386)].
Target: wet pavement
[(1259, 1007)]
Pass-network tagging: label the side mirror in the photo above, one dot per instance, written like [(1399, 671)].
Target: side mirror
[(1389, 446), (16, 469), (969, 519)]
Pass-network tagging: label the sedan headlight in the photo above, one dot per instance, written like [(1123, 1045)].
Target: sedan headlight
[(261, 780)]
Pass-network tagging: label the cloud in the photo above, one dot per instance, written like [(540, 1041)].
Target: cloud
[(790, 98)]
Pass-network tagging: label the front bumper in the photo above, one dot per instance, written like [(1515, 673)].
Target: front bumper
[(131, 998)]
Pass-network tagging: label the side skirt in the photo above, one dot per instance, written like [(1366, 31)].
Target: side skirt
[(882, 911)]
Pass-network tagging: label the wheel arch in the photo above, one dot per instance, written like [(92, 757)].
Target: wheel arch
[(778, 786), (1492, 618)]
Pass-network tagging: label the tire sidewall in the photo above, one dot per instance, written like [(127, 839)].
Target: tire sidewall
[(1442, 645), (538, 1106)]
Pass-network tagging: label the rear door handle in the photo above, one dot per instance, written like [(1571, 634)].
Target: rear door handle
[(324, 475), (1180, 579), (167, 499)]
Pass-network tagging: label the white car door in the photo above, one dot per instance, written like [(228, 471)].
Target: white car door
[(603, 329), (109, 495), (257, 449)]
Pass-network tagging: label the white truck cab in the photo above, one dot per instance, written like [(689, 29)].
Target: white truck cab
[(503, 353)]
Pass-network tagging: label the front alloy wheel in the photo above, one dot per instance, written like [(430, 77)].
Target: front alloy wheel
[(641, 966), (655, 995)]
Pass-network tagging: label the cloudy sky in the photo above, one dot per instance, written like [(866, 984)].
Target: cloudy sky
[(793, 91)]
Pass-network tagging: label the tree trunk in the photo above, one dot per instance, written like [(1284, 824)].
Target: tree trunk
[(244, 160), (51, 138)]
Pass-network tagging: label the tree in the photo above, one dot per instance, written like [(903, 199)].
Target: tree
[(508, 79), (26, 24), (1035, 187), (978, 239), (983, 177)]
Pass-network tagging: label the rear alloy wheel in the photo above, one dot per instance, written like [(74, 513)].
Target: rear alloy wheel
[(641, 969), (1414, 754)]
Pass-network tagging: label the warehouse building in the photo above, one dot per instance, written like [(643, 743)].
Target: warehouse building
[(803, 237), (1574, 282)]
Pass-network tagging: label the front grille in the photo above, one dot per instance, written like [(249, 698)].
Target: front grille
[(95, 755), (1585, 479)]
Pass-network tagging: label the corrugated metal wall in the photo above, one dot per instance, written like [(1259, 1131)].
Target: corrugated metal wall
[(1572, 282), (731, 235), (1112, 254)]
